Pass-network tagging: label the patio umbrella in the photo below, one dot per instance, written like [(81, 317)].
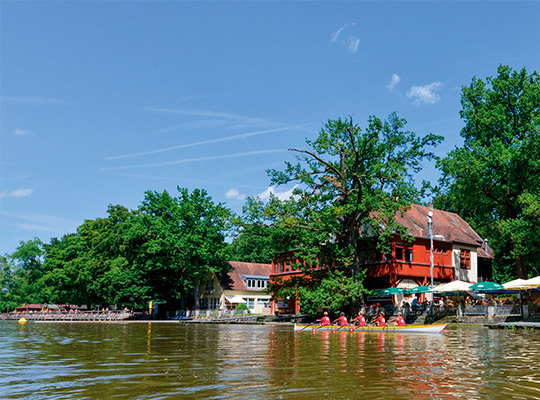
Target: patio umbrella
[(534, 281), (518, 284), (418, 290), (391, 291), (454, 286), (486, 286)]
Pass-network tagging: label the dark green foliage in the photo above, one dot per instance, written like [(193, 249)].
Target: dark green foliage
[(492, 181), (158, 252), (348, 182)]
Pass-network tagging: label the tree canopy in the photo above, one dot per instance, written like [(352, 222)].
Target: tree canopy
[(492, 181), (160, 251), (348, 181)]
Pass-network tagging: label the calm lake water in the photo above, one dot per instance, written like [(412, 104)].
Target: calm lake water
[(188, 361)]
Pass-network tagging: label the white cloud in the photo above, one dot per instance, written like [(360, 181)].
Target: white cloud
[(352, 44), (16, 193), (205, 142), (32, 100), (20, 132), (235, 195), (198, 159), (336, 34), (42, 222), (393, 82), (425, 94), (280, 195)]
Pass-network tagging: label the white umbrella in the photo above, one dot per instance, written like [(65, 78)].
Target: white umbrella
[(518, 284), (535, 282), (454, 286)]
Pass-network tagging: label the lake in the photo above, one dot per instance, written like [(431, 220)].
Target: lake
[(195, 361)]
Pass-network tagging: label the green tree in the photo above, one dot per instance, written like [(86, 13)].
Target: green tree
[(96, 265), (493, 179), (188, 240), (26, 271), (7, 284), (256, 238), (160, 251), (348, 182)]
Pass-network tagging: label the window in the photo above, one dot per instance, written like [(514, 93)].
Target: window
[(403, 252), (252, 283), (209, 288), (399, 252), (264, 302), (465, 259), (408, 253), (250, 302), (204, 304), (214, 304)]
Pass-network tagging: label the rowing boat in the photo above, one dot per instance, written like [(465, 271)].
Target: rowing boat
[(435, 328)]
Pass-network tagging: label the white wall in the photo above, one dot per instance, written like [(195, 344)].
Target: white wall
[(467, 275)]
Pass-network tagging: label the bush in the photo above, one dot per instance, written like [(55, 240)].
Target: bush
[(241, 307)]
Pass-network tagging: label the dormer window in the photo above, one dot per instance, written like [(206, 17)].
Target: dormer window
[(255, 282)]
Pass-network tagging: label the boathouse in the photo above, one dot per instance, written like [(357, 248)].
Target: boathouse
[(245, 284), (459, 253)]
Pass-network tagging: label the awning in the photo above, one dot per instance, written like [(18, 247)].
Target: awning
[(235, 299)]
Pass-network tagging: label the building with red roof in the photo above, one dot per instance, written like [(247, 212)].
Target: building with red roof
[(459, 253), (245, 284)]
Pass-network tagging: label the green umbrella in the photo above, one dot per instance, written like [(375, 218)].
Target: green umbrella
[(418, 289), (391, 291), (486, 286)]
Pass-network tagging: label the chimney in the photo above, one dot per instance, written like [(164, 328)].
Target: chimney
[(486, 245)]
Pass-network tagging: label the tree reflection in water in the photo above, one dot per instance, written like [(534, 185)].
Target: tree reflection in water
[(189, 361)]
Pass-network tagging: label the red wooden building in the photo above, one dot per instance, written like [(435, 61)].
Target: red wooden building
[(458, 253)]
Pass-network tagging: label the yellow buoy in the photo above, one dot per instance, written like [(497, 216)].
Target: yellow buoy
[(22, 321)]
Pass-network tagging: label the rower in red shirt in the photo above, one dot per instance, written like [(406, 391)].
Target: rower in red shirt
[(399, 320), (342, 320), (325, 320), (380, 321), (361, 319)]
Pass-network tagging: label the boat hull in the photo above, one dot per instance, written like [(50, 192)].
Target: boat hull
[(435, 328)]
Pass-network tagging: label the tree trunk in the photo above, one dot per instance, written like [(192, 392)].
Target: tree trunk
[(521, 268), (196, 298)]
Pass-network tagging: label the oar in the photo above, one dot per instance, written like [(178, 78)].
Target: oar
[(335, 330), (307, 326)]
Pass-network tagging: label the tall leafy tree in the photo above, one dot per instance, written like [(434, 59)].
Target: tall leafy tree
[(493, 180), (188, 239), (96, 264), (26, 271), (257, 239), (348, 181)]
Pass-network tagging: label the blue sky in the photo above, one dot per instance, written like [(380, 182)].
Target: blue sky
[(101, 101)]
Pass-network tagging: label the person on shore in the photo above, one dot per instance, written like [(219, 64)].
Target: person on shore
[(342, 320), (361, 319), (399, 320), (325, 320), (380, 321)]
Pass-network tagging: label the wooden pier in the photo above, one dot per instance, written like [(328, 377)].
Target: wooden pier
[(80, 316)]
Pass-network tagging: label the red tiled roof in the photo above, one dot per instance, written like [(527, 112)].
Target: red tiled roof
[(233, 280), (449, 225)]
